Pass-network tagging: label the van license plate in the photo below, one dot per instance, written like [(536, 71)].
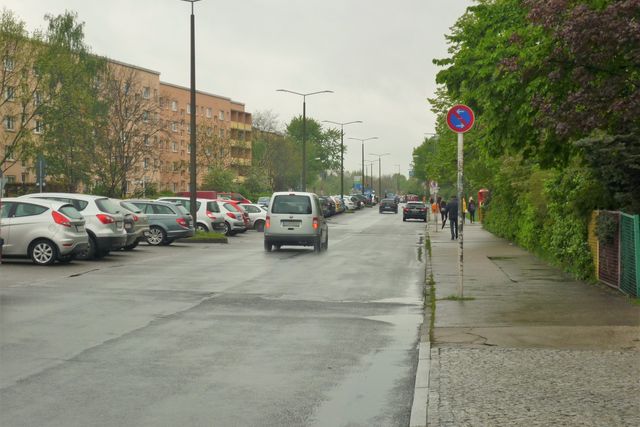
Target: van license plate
[(286, 223)]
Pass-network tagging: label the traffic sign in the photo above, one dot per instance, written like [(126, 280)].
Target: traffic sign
[(460, 118)]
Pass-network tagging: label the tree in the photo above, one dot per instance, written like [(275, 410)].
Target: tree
[(75, 106), (22, 98), (127, 131)]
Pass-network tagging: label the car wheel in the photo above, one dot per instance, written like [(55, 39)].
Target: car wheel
[(131, 246), (227, 229), (259, 226), (202, 227), (268, 245), (90, 252), (66, 259), (43, 252), (156, 236), (317, 245)]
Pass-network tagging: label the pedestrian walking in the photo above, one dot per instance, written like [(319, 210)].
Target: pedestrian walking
[(452, 214), (443, 210), (472, 210)]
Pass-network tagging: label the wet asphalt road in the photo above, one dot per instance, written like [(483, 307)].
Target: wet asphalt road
[(219, 335)]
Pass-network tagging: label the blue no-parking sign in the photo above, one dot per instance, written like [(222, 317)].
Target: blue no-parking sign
[(460, 118)]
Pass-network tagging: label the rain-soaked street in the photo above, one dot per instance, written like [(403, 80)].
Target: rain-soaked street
[(223, 335)]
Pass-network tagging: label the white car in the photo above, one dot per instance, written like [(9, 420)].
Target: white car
[(104, 221), (44, 230), (349, 204), (257, 215)]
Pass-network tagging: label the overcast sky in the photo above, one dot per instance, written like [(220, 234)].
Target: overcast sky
[(375, 55)]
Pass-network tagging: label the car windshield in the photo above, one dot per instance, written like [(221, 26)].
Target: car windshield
[(70, 212), (108, 206), (291, 204)]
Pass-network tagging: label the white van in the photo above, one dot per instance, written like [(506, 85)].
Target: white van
[(295, 218)]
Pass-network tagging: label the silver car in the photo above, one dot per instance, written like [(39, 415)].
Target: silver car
[(138, 224), (257, 215), (43, 230), (295, 218), (104, 221), (209, 216)]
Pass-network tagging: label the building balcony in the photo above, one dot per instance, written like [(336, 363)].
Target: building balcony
[(240, 126)]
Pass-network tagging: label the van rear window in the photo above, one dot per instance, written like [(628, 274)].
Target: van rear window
[(291, 204)]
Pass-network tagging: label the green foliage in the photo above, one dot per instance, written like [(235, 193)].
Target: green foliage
[(220, 179), (606, 228)]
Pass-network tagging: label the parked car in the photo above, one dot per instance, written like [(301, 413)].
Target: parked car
[(388, 205), (104, 221), (349, 204), (328, 206), (295, 218), (167, 221), (257, 215), (210, 217), (136, 223), (415, 210), (362, 200), (44, 230), (236, 219), (236, 197), (264, 201), (339, 204)]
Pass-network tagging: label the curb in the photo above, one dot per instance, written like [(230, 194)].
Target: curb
[(421, 388)]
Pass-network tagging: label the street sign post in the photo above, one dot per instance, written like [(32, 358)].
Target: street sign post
[(460, 119)]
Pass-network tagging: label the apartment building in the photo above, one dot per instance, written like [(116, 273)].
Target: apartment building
[(223, 136), (157, 140)]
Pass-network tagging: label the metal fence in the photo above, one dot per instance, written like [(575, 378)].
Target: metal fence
[(617, 259)]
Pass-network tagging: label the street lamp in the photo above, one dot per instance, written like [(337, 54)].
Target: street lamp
[(192, 124), (304, 129), (362, 140), (342, 125), (379, 171)]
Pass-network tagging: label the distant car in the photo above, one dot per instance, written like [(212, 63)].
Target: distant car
[(295, 218), (209, 217), (328, 206), (339, 204), (415, 210), (167, 221), (139, 224), (236, 219), (104, 221), (257, 215), (264, 201), (361, 199), (388, 205), (349, 204), (44, 230)]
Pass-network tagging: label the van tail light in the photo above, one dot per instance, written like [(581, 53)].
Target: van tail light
[(267, 223), (182, 222), (315, 222), (106, 219), (58, 218), (231, 215), (211, 215)]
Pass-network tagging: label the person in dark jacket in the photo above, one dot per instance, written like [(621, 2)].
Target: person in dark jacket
[(452, 214)]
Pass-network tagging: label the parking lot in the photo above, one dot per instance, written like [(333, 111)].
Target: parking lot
[(224, 332)]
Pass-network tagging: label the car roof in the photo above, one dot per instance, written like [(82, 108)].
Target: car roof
[(35, 200), (77, 196)]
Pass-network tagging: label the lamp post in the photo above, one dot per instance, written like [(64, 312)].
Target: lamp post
[(192, 143), (304, 130), (342, 125), (362, 140), (398, 181), (379, 171), (370, 163)]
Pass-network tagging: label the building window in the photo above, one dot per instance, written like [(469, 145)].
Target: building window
[(39, 127), (8, 153), (37, 98), (147, 141), (9, 123), (221, 115), (174, 106), (221, 133), (146, 92), (209, 113), (145, 116), (8, 64), (174, 147), (11, 179), (174, 126), (146, 163), (10, 93), (189, 148), (24, 177), (188, 108)]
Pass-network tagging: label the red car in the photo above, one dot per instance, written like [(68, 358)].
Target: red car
[(236, 197)]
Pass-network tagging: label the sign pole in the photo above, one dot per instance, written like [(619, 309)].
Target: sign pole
[(460, 215)]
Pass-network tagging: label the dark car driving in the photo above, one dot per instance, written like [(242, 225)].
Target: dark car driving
[(415, 210), (388, 205)]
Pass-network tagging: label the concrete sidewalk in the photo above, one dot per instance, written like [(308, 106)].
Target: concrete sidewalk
[(530, 347)]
